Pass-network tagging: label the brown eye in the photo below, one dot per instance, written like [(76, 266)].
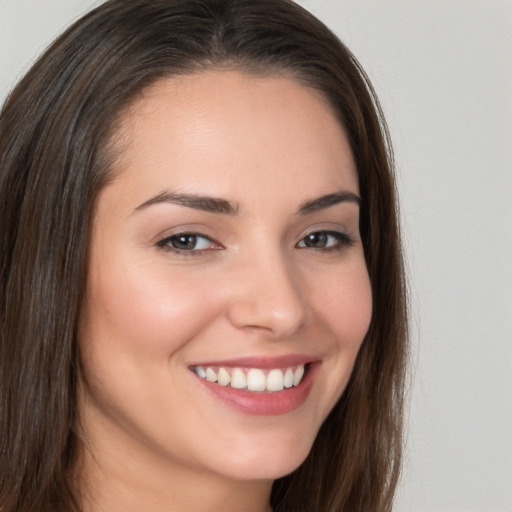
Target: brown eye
[(317, 240), (184, 242), (326, 240), (187, 242)]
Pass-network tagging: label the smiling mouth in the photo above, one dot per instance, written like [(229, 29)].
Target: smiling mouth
[(253, 379)]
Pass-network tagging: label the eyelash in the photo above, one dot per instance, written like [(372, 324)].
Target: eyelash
[(166, 244), (341, 241)]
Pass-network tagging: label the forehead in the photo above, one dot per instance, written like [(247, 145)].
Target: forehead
[(231, 132)]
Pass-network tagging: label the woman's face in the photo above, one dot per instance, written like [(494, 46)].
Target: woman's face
[(225, 255)]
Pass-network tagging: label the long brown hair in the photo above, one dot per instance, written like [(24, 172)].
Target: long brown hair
[(55, 130)]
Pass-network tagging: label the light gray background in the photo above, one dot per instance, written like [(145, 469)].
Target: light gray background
[(443, 71)]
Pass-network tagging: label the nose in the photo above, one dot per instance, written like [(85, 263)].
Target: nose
[(267, 297)]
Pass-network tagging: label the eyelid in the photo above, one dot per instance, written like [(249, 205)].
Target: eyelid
[(165, 243), (343, 238)]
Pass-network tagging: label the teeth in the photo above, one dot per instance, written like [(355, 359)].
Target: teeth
[(256, 380), (211, 375), (297, 376), (200, 371), (238, 379), (275, 380), (223, 377), (288, 378), (252, 379)]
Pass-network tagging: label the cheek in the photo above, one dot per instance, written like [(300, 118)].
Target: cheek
[(149, 313), (345, 304), (137, 321), (356, 307)]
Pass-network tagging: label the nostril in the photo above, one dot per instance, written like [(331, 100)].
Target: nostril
[(281, 322), (266, 295)]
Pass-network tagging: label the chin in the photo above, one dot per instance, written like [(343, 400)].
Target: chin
[(266, 460)]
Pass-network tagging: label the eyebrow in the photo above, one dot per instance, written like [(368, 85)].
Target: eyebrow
[(197, 202), (225, 207), (328, 200)]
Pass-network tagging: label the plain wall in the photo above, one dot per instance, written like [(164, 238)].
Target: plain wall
[(443, 71)]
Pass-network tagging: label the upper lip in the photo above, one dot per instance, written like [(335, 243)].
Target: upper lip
[(263, 362)]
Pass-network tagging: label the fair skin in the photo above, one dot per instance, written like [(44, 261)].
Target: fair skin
[(268, 276)]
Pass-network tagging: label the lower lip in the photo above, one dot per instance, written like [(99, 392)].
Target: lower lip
[(262, 403)]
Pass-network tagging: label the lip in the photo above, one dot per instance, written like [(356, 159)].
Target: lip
[(264, 403), (264, 363)]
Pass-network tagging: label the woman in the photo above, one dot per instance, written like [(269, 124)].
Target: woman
[(202, 293)]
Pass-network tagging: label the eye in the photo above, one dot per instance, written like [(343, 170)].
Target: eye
[(326, 240), (188, 242)]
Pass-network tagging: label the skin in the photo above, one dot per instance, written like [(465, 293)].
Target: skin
[(154, 438)]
